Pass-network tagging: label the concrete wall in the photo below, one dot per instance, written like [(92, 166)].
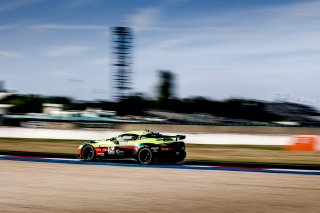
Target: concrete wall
[(195, 138)]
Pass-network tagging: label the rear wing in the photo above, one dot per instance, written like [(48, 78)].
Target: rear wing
[(176, 137), (181, 137)]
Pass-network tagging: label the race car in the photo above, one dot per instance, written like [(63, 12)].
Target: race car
[(146, 147)]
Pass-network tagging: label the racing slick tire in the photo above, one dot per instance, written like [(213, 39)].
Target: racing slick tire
[(145, 156), (88, 153)]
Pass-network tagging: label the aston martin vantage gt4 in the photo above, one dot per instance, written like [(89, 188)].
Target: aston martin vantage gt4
[(146, 147)]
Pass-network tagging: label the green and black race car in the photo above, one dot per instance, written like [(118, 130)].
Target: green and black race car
[(145, 146)]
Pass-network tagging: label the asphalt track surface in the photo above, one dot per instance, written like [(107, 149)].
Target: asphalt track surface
[(130, 163), (30, 185)]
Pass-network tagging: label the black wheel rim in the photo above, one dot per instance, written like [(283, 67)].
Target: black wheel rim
[(145, 156), (88, 153)]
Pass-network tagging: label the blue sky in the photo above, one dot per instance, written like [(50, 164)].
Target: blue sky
[(217, 48)]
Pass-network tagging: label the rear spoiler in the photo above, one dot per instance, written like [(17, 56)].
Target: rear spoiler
[(181, 137), (172, 137), (177, 137)]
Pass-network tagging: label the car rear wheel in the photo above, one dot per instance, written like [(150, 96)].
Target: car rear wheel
[(145, 156), (88, 153)]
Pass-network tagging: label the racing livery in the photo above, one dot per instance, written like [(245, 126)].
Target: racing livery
[(146, 147)]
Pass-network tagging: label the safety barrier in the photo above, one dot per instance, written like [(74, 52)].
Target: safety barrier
[(192, 138)]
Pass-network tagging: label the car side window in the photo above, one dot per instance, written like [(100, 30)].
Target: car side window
[(128, 137)]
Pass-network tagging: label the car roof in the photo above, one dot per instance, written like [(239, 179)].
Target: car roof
[(144, 132)]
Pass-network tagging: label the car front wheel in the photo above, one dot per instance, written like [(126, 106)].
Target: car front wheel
[(88, 153), (145, 156)]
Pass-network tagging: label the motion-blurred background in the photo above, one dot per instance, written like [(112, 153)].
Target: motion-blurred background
[(214, 62)]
